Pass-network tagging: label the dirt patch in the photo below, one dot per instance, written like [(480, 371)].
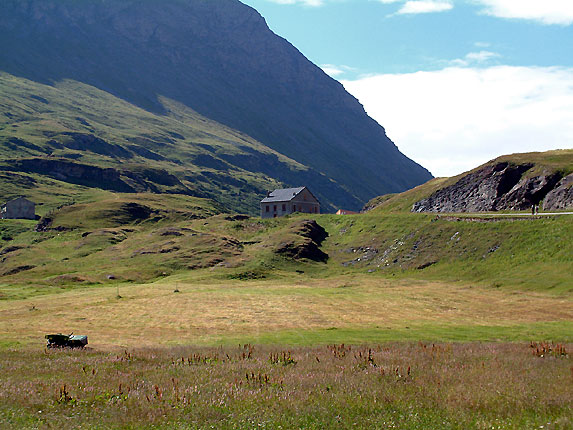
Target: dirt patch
[(237, 218), (177, 232), (44, 224), (68, 279), (171, 233), (305, 239), (426, 265)]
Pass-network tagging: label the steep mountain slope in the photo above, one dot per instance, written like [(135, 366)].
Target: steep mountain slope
[(73, 133), (510, 182), (221, 60)]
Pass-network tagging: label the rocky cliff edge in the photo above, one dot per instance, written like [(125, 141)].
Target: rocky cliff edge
[(508, 183)]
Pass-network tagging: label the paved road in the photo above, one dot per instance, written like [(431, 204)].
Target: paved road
[(517, 214)]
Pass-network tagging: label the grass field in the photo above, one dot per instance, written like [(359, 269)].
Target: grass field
[(351, 309), (413, 322), (388, 277), (260, 341), (397, 386)]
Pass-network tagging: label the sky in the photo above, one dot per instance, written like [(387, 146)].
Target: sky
[(455, 83)]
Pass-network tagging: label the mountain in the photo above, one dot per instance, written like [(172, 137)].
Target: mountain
[(513, 182), (218, 59)]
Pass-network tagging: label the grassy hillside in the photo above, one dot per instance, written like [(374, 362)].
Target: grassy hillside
[(177, 152), (515, 252), (142, 237)]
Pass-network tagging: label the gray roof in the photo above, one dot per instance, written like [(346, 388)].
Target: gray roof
[(18, 198), (282, 195)]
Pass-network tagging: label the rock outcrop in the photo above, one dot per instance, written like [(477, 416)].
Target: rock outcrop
[(528, 192), (75, 173), (561, 197), (501, 186), (476, 192)]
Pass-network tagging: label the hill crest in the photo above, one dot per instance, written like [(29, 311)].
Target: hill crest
[(513, 182)]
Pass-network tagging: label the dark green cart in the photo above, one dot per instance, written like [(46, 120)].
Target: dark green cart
[(66, 340)]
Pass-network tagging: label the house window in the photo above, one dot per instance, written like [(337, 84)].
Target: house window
[(275, 208), (267, 207), (294, 208), (284, 208)]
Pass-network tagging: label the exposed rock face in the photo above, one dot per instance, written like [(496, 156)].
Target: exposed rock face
[(528, 192), (561, 197), (220, 59), (479, 191), (501, 186)]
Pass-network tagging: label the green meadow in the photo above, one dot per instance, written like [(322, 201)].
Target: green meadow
[(196, 320), (200, 318), (149, 269)]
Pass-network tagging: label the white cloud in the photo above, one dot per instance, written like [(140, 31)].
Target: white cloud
[(455, 119), (480, 57), (335, 71), (545, 11), (332, 70), (425, 6)]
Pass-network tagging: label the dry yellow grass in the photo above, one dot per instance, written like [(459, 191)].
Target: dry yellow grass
[(203, 313)]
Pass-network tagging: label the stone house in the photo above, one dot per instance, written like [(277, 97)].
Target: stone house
[(19, 208), (287, 201)]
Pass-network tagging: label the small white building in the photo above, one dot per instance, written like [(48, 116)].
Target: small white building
[(346, 212), (20, 208), (287, 201)]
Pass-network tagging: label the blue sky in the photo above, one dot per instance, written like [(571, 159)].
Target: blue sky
[(454, 82)]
